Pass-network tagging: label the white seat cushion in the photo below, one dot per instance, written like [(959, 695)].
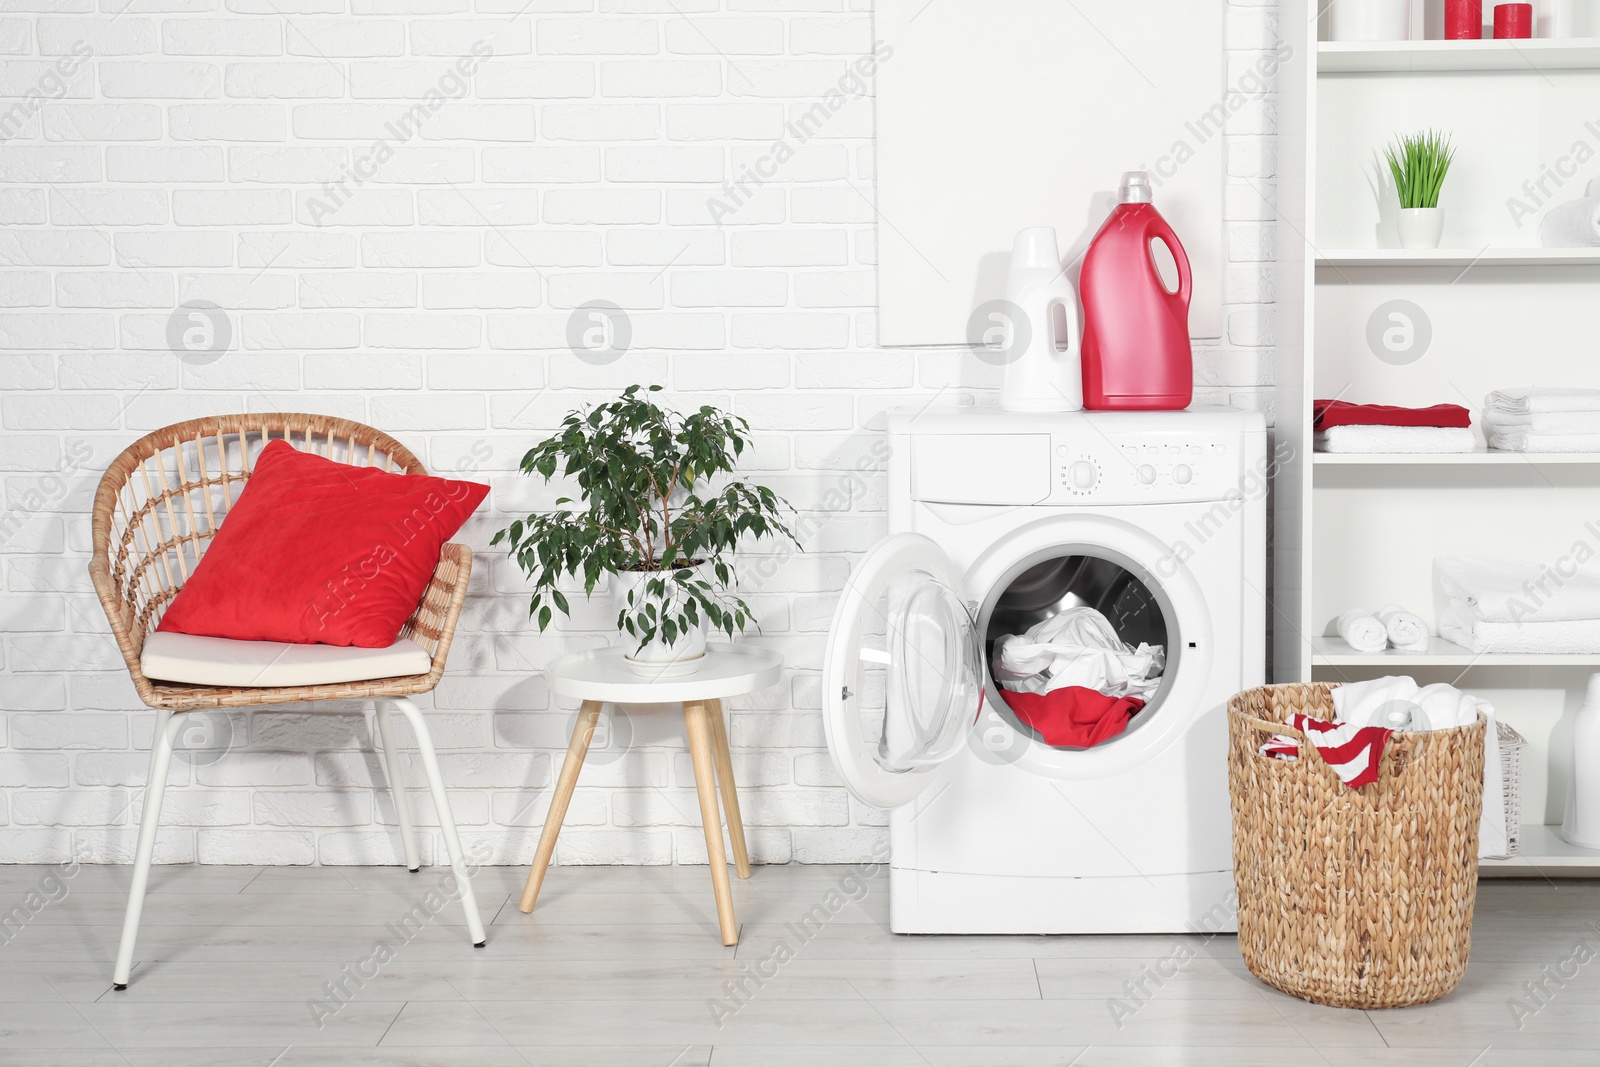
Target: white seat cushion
[(170, 657)]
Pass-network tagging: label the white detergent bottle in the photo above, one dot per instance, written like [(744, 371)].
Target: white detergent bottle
[(1582, 824), (1044, 357)]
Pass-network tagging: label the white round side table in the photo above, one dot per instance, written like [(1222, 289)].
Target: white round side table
[(601, 676)]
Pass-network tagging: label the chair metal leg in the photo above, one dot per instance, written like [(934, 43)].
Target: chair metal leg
[(447, 824), (577, 749), (167, 728), (730, 793), (391, 766)]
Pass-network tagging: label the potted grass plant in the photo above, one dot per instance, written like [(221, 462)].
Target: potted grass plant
[(1419, 163), (656, 515)]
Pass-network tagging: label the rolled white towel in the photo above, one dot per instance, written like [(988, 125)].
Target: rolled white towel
[(1533, 401), (1407, 632), (1362, 631), (1411, 439)]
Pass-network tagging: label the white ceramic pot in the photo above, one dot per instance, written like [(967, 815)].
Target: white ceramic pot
[(1369, 20), (659, 658), (1421, 227)]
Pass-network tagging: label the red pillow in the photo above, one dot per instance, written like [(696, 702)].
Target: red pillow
[(318, 552)]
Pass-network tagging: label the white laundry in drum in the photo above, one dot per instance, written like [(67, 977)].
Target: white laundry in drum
[(1077, 647)]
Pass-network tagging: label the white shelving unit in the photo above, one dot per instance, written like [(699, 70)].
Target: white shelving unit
[(1490, 310), (1459, 257), (1335, 652), (1412, 57), (1541, 851), (1481, 457)]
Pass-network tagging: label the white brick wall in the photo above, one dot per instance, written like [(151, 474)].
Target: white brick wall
[(184, 150)]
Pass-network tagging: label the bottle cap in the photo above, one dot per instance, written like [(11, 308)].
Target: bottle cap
[(1136, 188), (1036, 247)]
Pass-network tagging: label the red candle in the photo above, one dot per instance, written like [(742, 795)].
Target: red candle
[(1513, 21), (1463, 20)]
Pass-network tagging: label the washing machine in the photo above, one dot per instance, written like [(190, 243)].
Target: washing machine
[(999, 520)]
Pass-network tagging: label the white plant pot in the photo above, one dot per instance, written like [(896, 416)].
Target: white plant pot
[(1421, 227), (1370, 20), (659, 658)]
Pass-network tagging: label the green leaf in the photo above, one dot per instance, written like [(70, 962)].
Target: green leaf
[(623, 461)]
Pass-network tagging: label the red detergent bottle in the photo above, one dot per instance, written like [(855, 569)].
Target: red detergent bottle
[(1136, 353)]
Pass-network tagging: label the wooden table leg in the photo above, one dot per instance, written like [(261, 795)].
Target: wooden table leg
[(730, 794), (582, 734), (695, 717)]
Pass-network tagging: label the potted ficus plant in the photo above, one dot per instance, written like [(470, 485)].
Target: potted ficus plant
[(1419, 163), (654, 514)]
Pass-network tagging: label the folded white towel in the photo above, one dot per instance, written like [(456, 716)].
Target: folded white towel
[(1543, 423), (1510, 591), (1532, 401), (1362, 631), (1574, 637), (1435, 707), (1407, 632), (1533, 442), (1396, 439)]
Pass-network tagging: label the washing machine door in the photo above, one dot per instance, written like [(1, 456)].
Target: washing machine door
[(901, 611)]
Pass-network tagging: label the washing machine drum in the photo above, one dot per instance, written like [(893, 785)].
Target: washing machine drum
[(906, 668)]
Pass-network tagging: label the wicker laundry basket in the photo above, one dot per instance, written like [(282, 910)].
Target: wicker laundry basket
[(1354, 898)]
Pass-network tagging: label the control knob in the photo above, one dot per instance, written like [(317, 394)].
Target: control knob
[(1083, 475), (1147, 474)]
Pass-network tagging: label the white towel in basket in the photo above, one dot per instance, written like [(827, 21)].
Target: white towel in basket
[(1435, 707)]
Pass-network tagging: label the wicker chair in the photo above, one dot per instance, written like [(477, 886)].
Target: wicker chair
[(155, 512)]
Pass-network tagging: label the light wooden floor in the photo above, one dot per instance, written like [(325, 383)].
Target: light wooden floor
[(622, 967)]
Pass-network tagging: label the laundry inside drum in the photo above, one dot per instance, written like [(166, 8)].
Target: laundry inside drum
[(1077, 646)]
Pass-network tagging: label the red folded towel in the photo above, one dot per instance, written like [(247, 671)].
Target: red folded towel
[(1073, 717), (1331, 413)]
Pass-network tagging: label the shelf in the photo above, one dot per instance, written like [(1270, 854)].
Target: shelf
[(1335, 652), (1459, 257), (1391, 57), (1482, 457), (1542, 846)]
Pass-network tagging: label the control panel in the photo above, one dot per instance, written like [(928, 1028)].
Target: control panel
[(1081, 458), (1150, 467)]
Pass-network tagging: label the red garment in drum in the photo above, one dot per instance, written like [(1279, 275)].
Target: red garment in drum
[(1073, 717)]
